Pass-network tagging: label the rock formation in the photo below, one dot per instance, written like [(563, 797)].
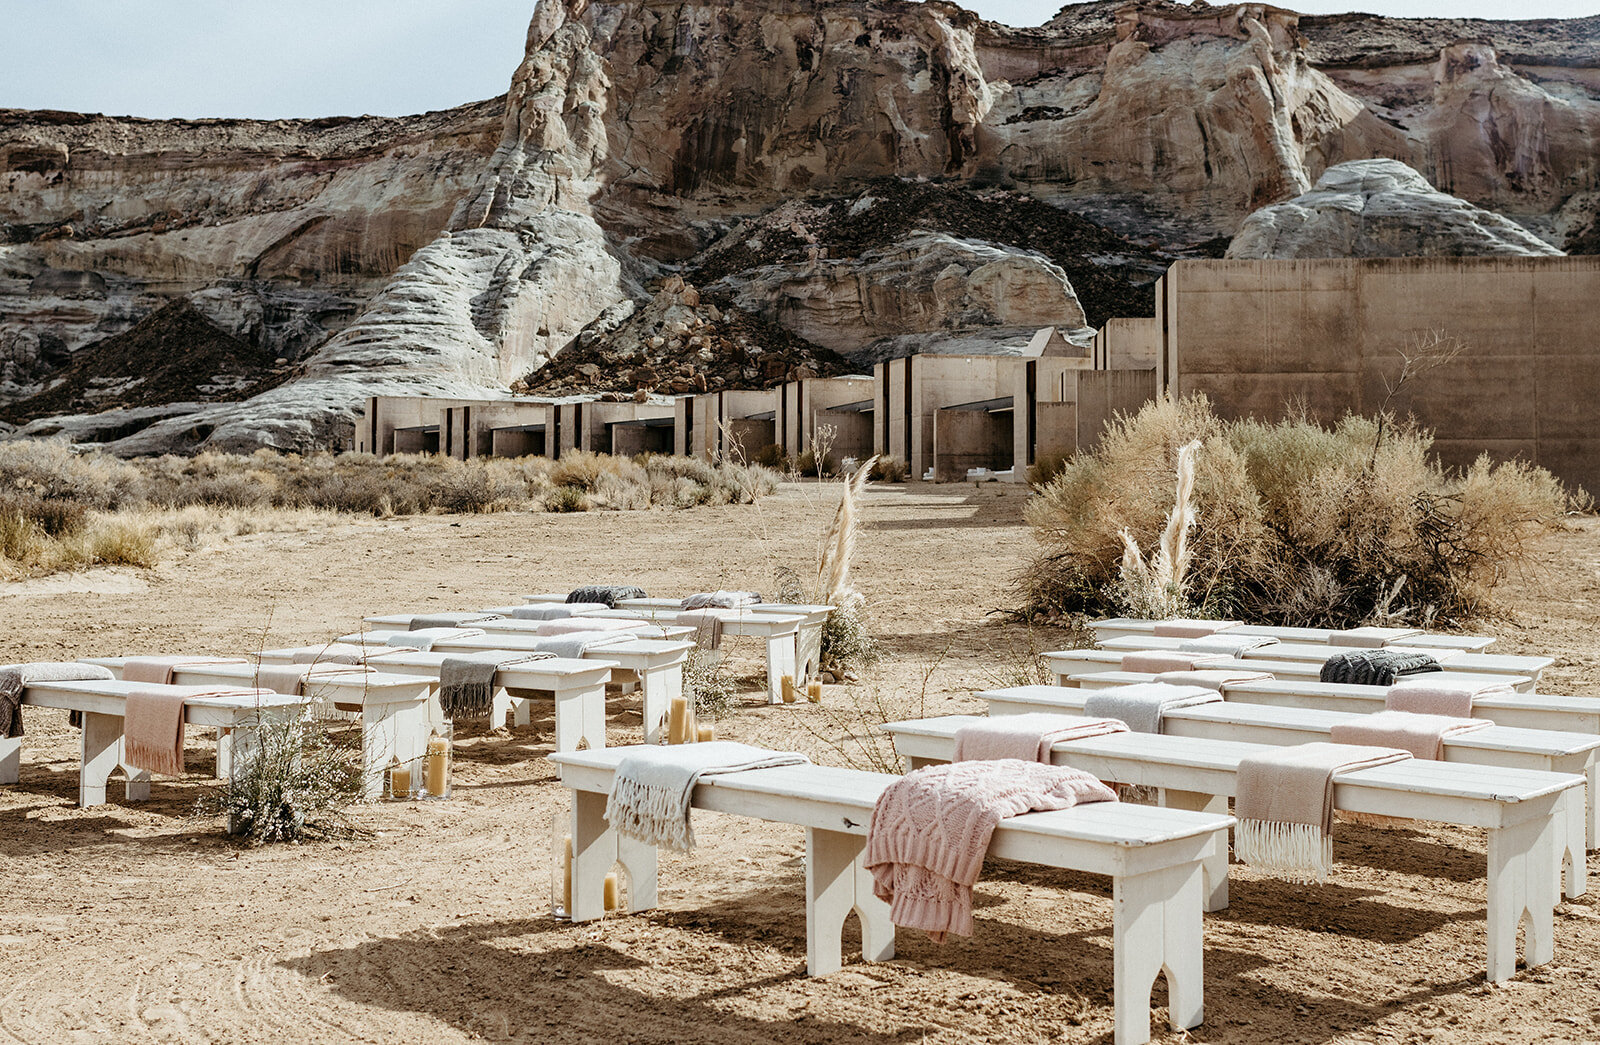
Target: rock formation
[(643, 138), (1380, 209)]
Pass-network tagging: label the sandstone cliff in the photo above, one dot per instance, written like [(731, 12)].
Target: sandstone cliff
[(457, 251)]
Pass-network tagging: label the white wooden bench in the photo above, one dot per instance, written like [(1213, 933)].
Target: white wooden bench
[(1527, 813), (1133, 627), (392, 709), (102, 703), (808, 639), (656, 665), (1546, 750), (505, 622), (1067, 665), (1450, 660), (780, 633), (1152, 855)]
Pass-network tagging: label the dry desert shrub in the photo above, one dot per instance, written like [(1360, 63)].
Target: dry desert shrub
[(1294, 522), (889, 470)]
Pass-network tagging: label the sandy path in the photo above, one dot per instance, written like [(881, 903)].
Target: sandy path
[(138, 924)]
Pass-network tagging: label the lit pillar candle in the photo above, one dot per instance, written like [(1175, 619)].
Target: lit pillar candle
[(706, 732), (814, 692), (790, 695), (612, 902), (400, 781), (677, 720), (566, 876), (436, 766)]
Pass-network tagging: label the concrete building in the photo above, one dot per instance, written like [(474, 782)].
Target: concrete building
[(843, 404), (1257, 336), (593, 424), (716, 424)]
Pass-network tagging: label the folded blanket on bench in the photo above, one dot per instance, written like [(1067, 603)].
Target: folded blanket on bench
[(1026, 737), (574, 645), (1440, 696), (707, 625), (339, 653), (653, 787), (282, 678), (931, 828), (1142, 705), (422, 639), (14, 678), (152, 724), (158, 670), (1226, 645), (449, 620), (1376, 667), (719, 599), (1190, 628), (466, 680), (1214, 678), (554, 610), (1362, 638), (1283, 800), (1422, 735), (1155, 662), (609, 594), (571, 624)]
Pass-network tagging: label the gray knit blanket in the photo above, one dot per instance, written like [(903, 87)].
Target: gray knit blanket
[(606, 593), (449, 620), (575, 644), (653, 787), (1143, 704), (16, 677), (1375, 667), (466, 681), (554, 610)]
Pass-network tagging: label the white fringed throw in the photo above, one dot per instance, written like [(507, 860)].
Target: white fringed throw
[(651, 792), (1228, 645), (1284, 805), (1142, 705)]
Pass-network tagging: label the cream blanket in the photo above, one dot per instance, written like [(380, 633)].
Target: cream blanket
[(653, 787), (1142, 705)]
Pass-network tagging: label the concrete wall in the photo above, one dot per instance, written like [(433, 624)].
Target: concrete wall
[(700, 419), (964, 439), (383, 414), (468, 430), (1257, 335), (852, 433), (631, 440), (1127, 344), (910, 390), (1103, 394), (802, 403)]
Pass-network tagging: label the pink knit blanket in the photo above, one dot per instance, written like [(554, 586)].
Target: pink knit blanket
[(1026, 737), (1156, 662), (152, 724), (930, 831), (1443, 697), (1422, 735), (1189, 628)]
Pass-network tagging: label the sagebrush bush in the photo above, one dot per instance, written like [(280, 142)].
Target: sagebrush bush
[(1045, 468), (567, 499), (1296, 523), (293, 782), (889, 470)]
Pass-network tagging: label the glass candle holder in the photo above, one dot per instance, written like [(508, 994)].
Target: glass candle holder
[(436, 763)]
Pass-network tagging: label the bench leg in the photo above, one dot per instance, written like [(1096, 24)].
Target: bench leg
[(10, 760), (808, 652), (1214, 868), (581, 718), (100, 752), (1572, 847), (780, 664), (389, 732), (1591, 789), (521, 710), (1522, 883), (224, 753), (837, 884), (657, 688), (501, 708), (1156, 926), (595, 847)]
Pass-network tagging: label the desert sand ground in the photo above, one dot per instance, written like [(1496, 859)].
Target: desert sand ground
[(138, 923)]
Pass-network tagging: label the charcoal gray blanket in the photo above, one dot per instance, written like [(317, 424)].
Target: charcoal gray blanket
[(1375, 667), (466, 682), (606, 593)]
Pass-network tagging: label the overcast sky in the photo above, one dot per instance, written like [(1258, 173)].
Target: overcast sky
[(189, 58)]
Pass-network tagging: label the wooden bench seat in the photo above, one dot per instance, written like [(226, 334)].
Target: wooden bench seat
[(1545, 750), (1527, 813), (1133, 627), (392, 710), (1067, 665), (655, 665), (808, 639), (1450, 660), (1153, 856), (102, 703)]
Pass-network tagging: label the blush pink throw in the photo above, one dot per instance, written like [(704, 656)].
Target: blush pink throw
[(1026, 737), (1443, 697), (1189, 628), (1422, 735), (152, 724), (1156, 662), (930, 831), (158, 670)]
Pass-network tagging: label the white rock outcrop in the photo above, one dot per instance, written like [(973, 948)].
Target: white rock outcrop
[(1380, 209)]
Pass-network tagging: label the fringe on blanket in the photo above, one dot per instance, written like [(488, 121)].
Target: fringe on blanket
[(467, 700), (1299, 853), (650, 813)]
